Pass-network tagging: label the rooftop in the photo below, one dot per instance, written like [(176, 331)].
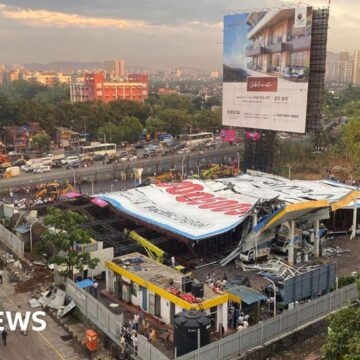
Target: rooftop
[(142, 269)]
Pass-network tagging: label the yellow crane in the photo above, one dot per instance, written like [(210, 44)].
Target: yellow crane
[(152, 251)]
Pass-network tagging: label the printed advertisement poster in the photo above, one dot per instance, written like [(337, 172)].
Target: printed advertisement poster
[(228, 135), (266, 69)]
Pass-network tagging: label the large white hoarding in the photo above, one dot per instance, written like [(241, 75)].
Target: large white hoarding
[(266, 69), (193, 209)]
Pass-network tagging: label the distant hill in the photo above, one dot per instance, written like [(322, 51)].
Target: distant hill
[(234, 74), (64, 66)]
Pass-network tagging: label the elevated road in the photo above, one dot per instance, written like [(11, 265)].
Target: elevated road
[(98, 171)]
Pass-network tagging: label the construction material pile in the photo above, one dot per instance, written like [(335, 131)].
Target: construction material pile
[(38, 279)]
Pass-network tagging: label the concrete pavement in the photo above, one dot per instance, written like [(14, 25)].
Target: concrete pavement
[(46, 345)]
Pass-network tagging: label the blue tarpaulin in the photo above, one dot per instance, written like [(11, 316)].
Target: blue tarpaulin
[(83, 284), (245, 294)]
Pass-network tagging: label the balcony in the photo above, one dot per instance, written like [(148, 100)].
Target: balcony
[(302, 42), (254, 51), (276, 48)]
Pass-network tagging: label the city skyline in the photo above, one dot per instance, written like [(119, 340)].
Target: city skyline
[(142, 33)]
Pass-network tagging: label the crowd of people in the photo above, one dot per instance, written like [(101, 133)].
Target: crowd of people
[(237, 320), (216, 284), (129, 333)]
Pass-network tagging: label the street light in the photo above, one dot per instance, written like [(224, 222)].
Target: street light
[(289, 175), (274, 287), (199, 167), (111, 187), (92, 186), (182, 168), (31, 238)]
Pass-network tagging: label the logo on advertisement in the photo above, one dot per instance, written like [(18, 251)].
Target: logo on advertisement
[(300, 17), (193, 194), (17, 320), (265, 84)]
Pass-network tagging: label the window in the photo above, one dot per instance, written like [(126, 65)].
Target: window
[(134, 289)]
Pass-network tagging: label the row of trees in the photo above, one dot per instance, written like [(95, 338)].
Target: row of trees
[(22, 101)]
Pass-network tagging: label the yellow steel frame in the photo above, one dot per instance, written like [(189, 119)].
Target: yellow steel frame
[(218, 300)]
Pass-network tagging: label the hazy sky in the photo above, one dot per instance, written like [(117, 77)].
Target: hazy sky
[(154, 33)]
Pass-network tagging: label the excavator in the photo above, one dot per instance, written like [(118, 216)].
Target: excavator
[(171, 175), (152, 251), (218, 171), (53, 190)]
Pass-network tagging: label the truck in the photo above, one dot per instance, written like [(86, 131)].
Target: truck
[(11, 172), (251, 255)]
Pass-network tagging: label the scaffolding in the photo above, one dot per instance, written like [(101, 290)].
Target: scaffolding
[(259, 154), (320, 20)]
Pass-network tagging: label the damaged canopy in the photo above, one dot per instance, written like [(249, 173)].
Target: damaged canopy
[(193, 209), (267, 186)]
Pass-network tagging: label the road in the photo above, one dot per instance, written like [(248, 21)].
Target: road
[(99, 171), (46, 345)]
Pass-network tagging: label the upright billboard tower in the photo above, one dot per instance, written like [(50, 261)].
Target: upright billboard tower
[(274, 65)]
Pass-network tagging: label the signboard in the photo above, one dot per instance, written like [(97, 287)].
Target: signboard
[(252, 135), (193, 209), (228, 135), (310, 283), (266, 69)]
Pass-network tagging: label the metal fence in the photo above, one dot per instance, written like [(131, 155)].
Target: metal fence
[(95, 311), (146, 351), (268, 330), (11, 241)]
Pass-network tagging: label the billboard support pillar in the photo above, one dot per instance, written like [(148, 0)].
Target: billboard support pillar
[(353, 228), (291, 244), (317, 238)]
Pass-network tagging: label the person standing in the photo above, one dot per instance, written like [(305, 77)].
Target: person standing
[(135, 342), (1, 276), (122, 343), (4, 335), (96, 285)]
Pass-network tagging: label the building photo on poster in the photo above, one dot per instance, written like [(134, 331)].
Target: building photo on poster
[(266, 69)]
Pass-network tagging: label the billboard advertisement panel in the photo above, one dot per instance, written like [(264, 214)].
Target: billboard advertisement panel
[(228, 135), (266, 69), (193, 208)]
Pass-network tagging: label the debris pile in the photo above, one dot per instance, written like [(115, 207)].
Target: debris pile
[(38, 279)]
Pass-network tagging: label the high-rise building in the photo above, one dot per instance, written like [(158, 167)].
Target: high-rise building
[(115, 67), (346, 66), (356, 71)]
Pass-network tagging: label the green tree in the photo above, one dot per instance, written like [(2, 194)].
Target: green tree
[(40, 142), (64, 232), (352, 140), (154, 124), (343, 340)]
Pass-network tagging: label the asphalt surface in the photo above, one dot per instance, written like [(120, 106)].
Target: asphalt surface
[(100, 172)]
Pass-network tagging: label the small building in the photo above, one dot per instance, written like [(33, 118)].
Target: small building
[(67, 138), (16, 137), (156, 289)]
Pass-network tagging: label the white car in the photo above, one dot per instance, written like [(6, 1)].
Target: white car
[(132, 157), (70, 160), (42, 169), (27, 168)]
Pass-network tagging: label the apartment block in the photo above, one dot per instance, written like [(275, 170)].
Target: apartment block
[(277, 45), (95, 87)]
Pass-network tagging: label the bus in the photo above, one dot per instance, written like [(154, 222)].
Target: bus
[(193, 140), (98, 149)]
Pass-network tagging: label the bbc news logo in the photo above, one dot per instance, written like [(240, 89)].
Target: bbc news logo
[(13, 321)]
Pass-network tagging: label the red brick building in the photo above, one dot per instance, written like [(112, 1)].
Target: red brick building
[(16, 137), (94, 87)]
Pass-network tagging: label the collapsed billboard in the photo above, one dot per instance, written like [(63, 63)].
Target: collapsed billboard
[(266, 69), (267, 186), (193, 209)]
